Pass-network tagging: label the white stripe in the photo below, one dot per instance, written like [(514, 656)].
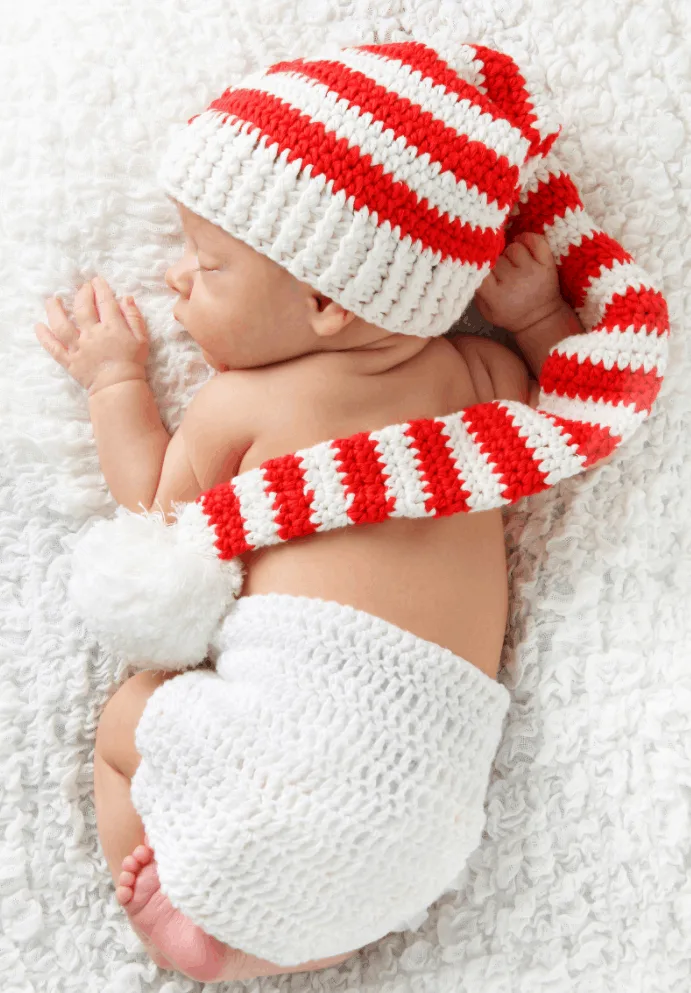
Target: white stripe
[(545, 169), (476, 474), (402, 468), (419, 295), (197, 523), (256, 508), (331, 502), (526, 180), (456, 112), (553, 454), (400, 160), (621, 277), (623, 419), (464, 61), (468, 65), (569, 230), (630, 349)]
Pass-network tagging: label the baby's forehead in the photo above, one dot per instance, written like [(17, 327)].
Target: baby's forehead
[(203, 231)]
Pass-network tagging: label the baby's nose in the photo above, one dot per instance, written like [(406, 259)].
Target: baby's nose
[(171, 278)]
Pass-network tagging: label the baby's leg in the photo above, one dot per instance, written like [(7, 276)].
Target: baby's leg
[(171, 939), (120, 828), (115, 761)]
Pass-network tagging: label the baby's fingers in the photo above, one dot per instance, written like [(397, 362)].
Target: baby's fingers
[(134, 318), (503, 269), (61, 334), (518, 254), (51, 344), (106, 303), (61, 327), (538, 246)]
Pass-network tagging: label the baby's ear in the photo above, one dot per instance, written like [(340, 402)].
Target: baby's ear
[(328, 317)]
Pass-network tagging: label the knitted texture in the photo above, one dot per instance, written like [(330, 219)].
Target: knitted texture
[(426, 145), (596, 389), (324, 786), (381, 175)]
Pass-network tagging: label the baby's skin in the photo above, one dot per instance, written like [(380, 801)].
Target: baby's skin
[(295, 368)]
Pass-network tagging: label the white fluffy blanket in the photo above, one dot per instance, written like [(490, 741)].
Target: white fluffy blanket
[(582, 880)]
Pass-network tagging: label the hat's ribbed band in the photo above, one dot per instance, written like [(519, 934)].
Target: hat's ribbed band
[(297, 222)]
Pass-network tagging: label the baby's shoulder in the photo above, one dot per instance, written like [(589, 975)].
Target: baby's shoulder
[(496, 371), (239, 404)]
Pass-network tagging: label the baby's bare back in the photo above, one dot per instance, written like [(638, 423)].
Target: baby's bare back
[(443, 579)]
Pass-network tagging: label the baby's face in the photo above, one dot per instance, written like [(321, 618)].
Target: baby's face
[(241, 307)]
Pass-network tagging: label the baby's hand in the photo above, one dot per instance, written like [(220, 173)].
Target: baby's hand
[(109, 345), (523, 287)]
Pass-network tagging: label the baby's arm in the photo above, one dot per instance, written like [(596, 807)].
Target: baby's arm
[(496, 372), (130, 437), (143, 465), (210, 443)]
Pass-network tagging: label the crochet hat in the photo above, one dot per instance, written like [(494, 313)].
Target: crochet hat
[(381, 175)]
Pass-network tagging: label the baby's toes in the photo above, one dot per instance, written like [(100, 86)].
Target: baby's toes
[(143, 854), (132, 865), (124, 891), (140, 857)]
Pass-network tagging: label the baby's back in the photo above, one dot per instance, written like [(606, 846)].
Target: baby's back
[(444, 579)]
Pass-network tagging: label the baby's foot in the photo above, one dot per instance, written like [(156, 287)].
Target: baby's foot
[(183, 945)]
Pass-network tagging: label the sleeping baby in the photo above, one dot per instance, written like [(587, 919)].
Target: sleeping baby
[(320, 781)]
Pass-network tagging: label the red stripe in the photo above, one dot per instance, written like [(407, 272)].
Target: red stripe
[(591, 440), (584, 262), (370, 187), (571, 377), (222, 506), (286, 479), (471, 161), (494, 432), (419, 57), (552, 198), (506, 88), (364, 478), (437, 468), (642, 308)]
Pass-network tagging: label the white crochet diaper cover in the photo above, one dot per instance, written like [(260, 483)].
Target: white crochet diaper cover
[(324, 786)]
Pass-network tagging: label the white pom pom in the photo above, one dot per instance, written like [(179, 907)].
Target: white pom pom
[(150, 592)]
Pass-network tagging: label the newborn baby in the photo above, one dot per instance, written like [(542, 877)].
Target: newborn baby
[(296, 368), (420, 600)]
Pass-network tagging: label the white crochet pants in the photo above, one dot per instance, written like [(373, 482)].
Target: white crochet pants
[(324, 786)]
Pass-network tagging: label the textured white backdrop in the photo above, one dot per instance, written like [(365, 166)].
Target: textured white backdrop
[(582, 881)]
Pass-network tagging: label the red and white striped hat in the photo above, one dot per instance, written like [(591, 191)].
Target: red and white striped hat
[(381, 175), (157, 594)]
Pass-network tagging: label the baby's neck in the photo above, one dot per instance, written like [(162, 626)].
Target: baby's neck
[(380, 355)]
